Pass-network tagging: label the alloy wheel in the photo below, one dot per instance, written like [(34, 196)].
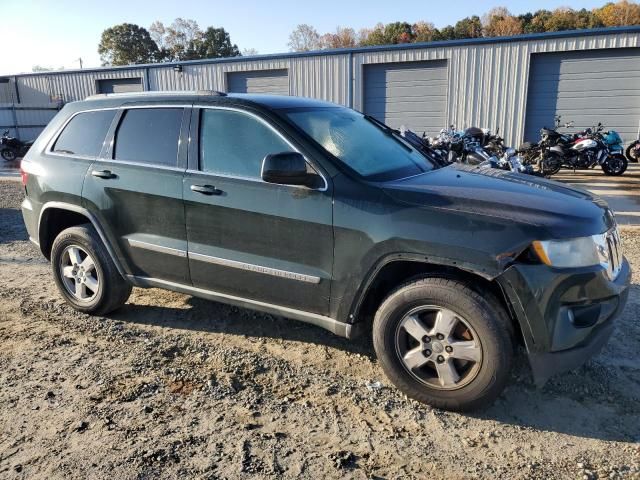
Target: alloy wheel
[(79, 274), (438, 347)]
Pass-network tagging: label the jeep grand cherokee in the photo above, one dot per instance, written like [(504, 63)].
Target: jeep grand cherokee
[(316, 212)]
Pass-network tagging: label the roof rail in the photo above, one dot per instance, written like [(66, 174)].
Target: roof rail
[(157, 93)]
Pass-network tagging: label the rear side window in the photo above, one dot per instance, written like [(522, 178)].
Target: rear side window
[(85, 133), (235, 143), (149, 135)]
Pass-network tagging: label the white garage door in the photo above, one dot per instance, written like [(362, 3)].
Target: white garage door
[(261, 81), (413, 94)]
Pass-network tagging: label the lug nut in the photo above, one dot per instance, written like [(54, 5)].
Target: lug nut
[(448, 349), (440, 359), (427, 353), (440, 336), (426, 339)]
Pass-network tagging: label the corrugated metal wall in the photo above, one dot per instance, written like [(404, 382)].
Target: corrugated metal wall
[(487, 81), (67, 87)]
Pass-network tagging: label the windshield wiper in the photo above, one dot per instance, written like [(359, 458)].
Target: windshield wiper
[(395, 134)]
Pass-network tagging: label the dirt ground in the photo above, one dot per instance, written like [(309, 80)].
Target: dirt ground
[(176, 387)]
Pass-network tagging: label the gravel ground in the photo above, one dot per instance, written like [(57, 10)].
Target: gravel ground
[(174, 386)]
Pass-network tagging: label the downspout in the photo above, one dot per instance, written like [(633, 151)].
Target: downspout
[(351, 80), (14, 115)]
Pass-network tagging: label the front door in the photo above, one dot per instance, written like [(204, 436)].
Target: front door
[(247, 238), (135, 191)]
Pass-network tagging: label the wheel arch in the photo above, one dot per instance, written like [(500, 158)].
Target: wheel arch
[(398, 269), (58, 216)]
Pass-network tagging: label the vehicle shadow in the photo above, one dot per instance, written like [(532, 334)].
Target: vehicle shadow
[(584, 403), (213, 317), (11, 226)]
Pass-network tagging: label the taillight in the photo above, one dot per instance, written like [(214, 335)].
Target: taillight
[(24, 176)]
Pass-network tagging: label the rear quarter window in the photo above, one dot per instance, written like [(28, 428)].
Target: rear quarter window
[(84, 134)]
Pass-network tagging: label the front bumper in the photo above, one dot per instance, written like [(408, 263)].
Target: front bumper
[(566, 315)]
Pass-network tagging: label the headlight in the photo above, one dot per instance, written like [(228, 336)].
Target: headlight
[(577, 252), (604, 249)]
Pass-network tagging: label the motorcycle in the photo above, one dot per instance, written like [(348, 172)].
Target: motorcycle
[(12, 148), (633, 151), (587, 149), (511, 161)]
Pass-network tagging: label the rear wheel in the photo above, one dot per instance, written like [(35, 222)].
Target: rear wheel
[(443, 344), (615, 165), (633, 152), (85, 274), (551, 164), (8, 154)]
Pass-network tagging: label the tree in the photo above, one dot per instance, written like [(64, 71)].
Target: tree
[(446, 33), (499, 22), (247, 52), (619, 14), (424, 32), (127, 44), (304, 38), (342, 38), (389, 34), (470, 27), (215, 43), (179, 41)]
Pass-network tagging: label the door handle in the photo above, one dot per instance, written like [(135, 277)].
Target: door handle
[(103, 174), (206, 189)]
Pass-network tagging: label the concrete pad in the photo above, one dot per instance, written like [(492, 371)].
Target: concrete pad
[(621, 193)]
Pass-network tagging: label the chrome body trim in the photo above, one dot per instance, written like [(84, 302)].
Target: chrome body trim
[(301, 277), (156, 248), (339, 328)]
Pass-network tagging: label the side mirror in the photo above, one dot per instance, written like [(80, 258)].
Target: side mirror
[(288, 168)]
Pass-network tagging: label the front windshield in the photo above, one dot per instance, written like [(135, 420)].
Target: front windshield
[(371, 150)]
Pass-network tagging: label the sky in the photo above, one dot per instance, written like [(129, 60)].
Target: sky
[(56, 34)]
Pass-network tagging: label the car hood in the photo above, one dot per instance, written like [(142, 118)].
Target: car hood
[(563, 210)]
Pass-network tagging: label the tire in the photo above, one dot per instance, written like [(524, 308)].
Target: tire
[(615, 165), (551, 164), (632, 152), (8, 154), (104, 288), (480, 381)]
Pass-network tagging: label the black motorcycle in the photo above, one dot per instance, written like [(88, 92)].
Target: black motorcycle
[(587, 149), (633, 151), (12, 148)]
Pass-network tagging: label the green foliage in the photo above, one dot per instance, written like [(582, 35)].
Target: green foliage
[(182, 40), (127, 44)]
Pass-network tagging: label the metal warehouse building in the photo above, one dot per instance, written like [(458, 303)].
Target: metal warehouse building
[(516, 84)]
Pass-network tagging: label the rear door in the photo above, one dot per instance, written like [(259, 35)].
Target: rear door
[(247, 238), (135, 190)]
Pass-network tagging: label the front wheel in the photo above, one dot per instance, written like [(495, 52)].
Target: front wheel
[(443, 344), (8, 154), (633, 152), (615, 165)]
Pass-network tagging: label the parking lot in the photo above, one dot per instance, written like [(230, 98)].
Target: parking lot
[(621, 193), (176, 386)]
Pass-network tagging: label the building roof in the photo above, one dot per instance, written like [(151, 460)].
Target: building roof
[(348, 51)]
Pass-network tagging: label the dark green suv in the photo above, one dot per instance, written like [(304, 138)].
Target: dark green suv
[(313, 211)]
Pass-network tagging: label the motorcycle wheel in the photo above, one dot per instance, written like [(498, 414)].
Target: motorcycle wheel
[(633, 151), (551, 164), (8, 154), (615, 165)]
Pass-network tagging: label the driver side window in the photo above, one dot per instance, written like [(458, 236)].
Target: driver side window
[(235, 143)]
